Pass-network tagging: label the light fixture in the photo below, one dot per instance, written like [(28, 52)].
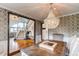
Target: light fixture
[(14, 17), (51, 21)]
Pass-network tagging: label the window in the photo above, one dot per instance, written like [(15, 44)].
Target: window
[(18, 26)]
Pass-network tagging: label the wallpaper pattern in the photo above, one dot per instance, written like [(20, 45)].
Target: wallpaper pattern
[(3, 32), (3, 24), (69, 25)]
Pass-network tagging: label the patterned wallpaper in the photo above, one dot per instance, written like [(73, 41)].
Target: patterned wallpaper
[(69, 26), (3, 24), (3, 31)]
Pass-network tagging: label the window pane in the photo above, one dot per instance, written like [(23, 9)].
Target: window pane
[(20, 25), (15, 29), (15, 25), (11, 29)]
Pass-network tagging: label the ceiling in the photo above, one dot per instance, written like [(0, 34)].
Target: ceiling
[(39, 11)]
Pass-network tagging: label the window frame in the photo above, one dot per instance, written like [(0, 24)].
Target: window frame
[(8, 42)]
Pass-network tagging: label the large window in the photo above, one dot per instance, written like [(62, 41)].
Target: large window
[(18, 26)]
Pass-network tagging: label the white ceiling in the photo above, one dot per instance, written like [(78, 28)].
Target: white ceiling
[(39, 11)]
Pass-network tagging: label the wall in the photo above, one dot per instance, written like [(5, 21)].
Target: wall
[(38, 29), (69, 26), (3, 24), (3, 31)]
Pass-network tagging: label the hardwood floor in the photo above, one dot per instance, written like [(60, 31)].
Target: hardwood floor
[(14, 53), (18, 54), (37, 51)]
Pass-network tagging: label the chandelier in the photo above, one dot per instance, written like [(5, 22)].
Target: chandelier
[(51, 21)]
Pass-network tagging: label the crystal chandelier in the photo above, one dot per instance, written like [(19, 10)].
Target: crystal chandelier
[(51, 21)]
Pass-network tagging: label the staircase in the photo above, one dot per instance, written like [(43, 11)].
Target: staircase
[(22, 32)]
